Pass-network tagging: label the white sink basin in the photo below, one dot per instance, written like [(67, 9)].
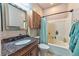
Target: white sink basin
[(22, 42)]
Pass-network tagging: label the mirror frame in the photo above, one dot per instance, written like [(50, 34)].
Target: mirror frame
[(6, 27)]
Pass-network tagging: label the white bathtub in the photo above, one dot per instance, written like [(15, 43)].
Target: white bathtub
[(58, 50)]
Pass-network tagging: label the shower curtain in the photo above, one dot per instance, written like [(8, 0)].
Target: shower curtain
[(43, 31)]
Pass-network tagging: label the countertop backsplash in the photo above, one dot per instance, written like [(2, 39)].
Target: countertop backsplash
[(7, 34)]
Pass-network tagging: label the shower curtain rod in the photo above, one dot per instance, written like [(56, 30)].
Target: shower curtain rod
[(58, 13)]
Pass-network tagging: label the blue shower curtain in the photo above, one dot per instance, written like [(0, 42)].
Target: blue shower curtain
[(43, 31)]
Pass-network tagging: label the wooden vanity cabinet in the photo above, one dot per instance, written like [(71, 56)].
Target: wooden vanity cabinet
[(30, 50), (34, 52)]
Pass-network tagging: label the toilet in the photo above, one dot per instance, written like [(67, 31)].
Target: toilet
[(43, 49)]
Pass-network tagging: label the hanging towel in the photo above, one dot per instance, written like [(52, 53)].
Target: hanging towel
[(76, 38), (76, 50), (43, 31), (71, 45), (72, 29), (73, 36)]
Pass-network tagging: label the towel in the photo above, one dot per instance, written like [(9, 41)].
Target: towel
[(72, 29), (71, 44), (76, 38), (76, 50), (73, 36)]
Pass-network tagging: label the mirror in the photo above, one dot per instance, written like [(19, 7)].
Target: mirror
[(0, 17), (15, 18)]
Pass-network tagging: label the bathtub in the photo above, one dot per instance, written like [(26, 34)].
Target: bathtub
[(58, 50)]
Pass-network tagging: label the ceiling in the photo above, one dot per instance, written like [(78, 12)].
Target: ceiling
[(47, 5)]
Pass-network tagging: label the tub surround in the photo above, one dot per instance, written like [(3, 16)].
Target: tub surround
[(59, 43), (9, 48)]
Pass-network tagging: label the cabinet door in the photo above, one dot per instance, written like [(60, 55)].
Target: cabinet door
[(34, 52), (36, 20), (39, 21)]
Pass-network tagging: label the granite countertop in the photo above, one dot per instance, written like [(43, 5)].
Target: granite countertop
[(10, 47)]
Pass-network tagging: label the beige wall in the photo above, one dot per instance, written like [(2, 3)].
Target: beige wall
[(36, 8), (56, 9), (7, 34), (75, 7)]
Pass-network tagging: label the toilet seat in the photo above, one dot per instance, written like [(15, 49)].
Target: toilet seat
[(43, 46)]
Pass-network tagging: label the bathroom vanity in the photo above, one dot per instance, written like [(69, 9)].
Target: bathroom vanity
[(14, 48), (16, 20)]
